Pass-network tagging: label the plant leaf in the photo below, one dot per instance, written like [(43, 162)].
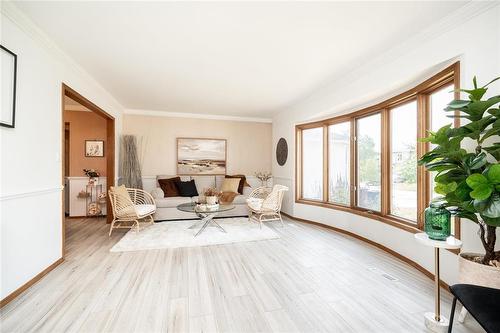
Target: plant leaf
[(445, 188), (494, 150), (477, 108), (493, 173), (492, 131), (476, 179), (458, 104), (494, 222), (494, 112), (492, 207), (478, 162), (468, 215), (463, 192), (482, 192), (495, 79)]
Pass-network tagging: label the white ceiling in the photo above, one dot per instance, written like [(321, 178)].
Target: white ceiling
[(247, 59)]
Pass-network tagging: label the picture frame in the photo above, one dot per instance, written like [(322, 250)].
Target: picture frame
[(94, 148), (8, 70), (201, 156)]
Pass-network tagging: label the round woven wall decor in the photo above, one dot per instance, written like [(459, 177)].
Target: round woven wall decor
[(281, 151)]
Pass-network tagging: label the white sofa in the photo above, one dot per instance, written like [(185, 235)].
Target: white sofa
[(166, 208)]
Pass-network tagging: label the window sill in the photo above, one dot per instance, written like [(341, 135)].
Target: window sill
[(393, 221)]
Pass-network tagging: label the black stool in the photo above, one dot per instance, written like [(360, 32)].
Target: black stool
[(482, 303)]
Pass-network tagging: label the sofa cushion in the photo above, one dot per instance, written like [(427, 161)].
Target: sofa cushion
[(187, 189), (240, 200), (227, 197), (122, 195), (230, 185), (157, 193), (144, 210), (173, 202), (183, 178), (169, 186), (255, 203), (242, 184)]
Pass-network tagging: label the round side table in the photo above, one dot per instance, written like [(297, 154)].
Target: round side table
[(434, 320)]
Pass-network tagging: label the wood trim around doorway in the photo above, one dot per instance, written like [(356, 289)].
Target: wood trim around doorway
[(110, 150), (110, 179)]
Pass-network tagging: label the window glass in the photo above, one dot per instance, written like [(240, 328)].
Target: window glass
[(339, 143), (368, 143), (312, 163), (404, 161)]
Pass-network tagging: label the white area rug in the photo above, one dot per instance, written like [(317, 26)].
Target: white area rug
[(175, 234)]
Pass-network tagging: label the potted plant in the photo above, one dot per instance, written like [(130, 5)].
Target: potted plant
[(93, 176), (263, 176), (469, 181), (211, 195)]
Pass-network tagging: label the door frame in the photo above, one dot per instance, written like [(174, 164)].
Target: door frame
[(110, 151)]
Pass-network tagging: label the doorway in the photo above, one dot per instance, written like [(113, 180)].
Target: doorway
[(88, 143)]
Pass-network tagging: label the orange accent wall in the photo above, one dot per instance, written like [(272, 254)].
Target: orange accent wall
[(85, 126)]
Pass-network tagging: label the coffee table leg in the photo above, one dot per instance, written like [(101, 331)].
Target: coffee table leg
[(203, 227), (203, 219), (206, 220), (218, 225)]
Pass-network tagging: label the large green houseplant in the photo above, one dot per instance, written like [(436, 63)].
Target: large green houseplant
[(469, 181)]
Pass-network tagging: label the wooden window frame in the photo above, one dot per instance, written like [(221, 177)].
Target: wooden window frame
[(300, 166), (356, 163), (421, 94), (388, 162), (351, 142)]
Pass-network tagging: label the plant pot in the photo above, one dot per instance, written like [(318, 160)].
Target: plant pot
[(471, 272), (212, 200)]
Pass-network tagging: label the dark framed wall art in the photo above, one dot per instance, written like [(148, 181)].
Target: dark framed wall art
[(8, 87), (94, 148)]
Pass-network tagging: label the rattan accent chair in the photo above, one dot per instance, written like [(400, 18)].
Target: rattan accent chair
[(132, 207), (264, 204)]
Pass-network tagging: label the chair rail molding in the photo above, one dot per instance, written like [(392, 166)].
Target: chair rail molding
[(32, 193)]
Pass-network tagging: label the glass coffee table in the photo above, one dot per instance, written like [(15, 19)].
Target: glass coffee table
[(206, 215)]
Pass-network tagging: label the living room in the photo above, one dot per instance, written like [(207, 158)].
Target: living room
[(263, 167)]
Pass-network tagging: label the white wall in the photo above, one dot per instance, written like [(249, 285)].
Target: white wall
[(31, 178), (248, 144), (471, 35)]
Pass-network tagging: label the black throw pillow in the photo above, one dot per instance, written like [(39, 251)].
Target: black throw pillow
[(187, 189)]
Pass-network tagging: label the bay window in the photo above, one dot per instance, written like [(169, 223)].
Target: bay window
[(365, 162)]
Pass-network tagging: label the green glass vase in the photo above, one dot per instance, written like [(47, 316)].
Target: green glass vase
[(437, 224)]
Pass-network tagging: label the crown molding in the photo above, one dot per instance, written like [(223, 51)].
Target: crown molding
[(156, 113), (447, 23), (21, 20)]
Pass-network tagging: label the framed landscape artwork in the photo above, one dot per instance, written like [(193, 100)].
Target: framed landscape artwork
[(94, 148), (201, 156)]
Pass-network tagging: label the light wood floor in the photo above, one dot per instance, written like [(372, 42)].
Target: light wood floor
[(309, 280)]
